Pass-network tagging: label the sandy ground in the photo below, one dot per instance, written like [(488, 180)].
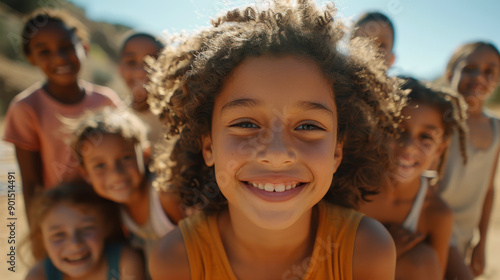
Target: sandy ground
[(22, 255)]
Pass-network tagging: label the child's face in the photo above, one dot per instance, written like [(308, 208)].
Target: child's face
[(113, 166), (420, 143), (382, 35), (74, 239), (477, 75), (57, 51), (274, 139), (132, 68)]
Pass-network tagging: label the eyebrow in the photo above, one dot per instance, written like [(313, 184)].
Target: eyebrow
[(86, 220), (242, 102), (39, 45), (248, 102), (308, 105)]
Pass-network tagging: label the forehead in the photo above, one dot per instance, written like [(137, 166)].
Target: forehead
[(140, 44), (98, 142), (422, 114), (484, 54), (70, 214), (52, 29), (375, 28), (277, 78)]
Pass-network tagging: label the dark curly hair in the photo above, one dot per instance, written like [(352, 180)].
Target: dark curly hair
[(449, 103), (42, 17), (189, 73)]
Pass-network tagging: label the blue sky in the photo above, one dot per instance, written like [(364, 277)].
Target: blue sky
[(427, 31)]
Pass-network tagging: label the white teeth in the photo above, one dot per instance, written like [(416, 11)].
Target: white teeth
[(280, 188), (268, 187), (77, 258), (272, 187), (63, 69)]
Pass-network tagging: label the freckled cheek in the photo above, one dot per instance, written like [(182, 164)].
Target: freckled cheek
[(321, 153)]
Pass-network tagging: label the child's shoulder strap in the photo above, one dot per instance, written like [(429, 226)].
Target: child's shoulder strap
[(51, 272), (113, 253)]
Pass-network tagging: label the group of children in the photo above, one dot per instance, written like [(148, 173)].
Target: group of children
[(276, 156)]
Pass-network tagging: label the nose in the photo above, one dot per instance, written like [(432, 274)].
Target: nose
[(276, 148), (119, 168), (75, 239)]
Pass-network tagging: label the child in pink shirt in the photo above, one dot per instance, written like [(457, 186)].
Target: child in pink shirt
[(56, 43)]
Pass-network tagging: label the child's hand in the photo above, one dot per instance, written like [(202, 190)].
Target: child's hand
[(477, 260), (404, 239)]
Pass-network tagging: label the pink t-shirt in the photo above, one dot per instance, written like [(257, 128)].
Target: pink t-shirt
[(35, 121)]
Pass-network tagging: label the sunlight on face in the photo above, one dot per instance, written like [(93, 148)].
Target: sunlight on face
[(114, 167), (421, 141), (477, 76), (274, 139)]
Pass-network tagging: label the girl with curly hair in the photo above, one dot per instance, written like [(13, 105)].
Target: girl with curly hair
[(419, 221), (278, 135)]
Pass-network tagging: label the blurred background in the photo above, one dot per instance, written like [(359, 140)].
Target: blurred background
[(427, 32)]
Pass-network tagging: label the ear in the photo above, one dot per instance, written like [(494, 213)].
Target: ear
[(442, 147), (86, 48), (207, 150), (338, 154), (392, 58)]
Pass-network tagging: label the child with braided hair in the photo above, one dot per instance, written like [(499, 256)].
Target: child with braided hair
[(280, 135), (419, 220), (474, 72)]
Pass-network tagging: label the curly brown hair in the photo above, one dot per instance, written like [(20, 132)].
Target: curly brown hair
[(449, 103), (189, 73)]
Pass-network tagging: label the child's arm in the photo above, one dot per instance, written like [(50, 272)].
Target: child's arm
[(131, 265), (439, 219), (478, 262), (37, 272), (30, 165), (374, 255), (169, 258), (172, 205)]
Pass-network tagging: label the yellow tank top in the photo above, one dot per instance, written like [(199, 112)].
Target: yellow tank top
[(331, 257)]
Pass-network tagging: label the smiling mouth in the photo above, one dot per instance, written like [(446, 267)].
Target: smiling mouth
[(269, 187), (61, 70), (77, 259)]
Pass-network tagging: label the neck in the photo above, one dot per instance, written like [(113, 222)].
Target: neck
[(67, 94), (407, 190), (246, 242)]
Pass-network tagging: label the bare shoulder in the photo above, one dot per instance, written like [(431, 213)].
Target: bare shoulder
[(374, 252), (37, 272), (169, 258), (131, 264), (172, 205)]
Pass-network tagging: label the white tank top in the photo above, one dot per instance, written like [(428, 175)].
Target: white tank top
[(464, 188)]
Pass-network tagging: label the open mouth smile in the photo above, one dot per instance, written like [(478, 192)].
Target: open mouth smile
[(78, 258), (270, 187)]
